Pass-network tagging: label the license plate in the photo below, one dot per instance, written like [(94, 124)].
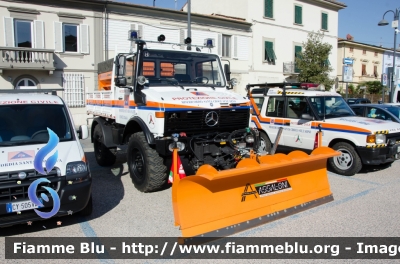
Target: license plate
[(21, 206)]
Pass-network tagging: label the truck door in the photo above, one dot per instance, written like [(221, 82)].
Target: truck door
[(298, 133), (272, 118)]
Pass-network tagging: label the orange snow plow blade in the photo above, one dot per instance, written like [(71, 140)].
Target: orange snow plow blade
[(259, 190)]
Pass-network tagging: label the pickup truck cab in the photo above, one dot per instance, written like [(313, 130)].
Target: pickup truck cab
[(41, 159), (302, 110)]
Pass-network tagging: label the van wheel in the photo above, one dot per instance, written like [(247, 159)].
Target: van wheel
[(146, 167), (88, 208), (265, 144), (348, 163), (104, 156)]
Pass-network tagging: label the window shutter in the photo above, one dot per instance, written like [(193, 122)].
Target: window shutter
[(220, 44), (297, 49), (298, 15), (9, 32), (58, 37), (39, 34), (84, 36), (182, 34), (267, 50), (268, 8), (324, 21), (235, 47)]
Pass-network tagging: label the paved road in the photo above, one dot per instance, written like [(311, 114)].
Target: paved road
[(366, 204)]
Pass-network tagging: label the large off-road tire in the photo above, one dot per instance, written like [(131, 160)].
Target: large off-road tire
[(265, 144), (146, 167), (348, 163), (104, 156), (88, 208)]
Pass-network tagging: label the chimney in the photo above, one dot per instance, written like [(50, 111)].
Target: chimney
[(349, 37)]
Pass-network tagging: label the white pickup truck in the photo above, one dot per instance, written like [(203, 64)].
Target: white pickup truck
[(304, 109)]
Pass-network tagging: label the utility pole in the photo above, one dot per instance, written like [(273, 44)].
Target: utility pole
[(154, 3), (188, 30)]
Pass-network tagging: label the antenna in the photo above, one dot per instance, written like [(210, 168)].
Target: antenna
[(154, 3), (176, 7)]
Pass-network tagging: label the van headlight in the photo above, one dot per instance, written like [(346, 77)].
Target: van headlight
[(380, 139), (77, 172)]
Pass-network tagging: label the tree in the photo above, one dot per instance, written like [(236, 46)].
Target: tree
[(374, 87), (312, 62)]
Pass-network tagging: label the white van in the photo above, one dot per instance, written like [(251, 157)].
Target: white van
[(40, 152)]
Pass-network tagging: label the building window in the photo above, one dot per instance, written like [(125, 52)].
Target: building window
[(298, 15), (26, 83), (376, 71), (297, 54), (324, 20), (71, 37), (364, 70), (351, 49), (269, 8), (269, 53), (23, 33), (364, 52), (376, 54), (74, 89), (226, 46)]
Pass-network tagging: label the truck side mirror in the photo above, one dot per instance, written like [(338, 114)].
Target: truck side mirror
[(227, 71), (120, 63), (120, 81)]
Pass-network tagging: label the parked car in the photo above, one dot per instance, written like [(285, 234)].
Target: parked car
[(378, 111), (357, 101)]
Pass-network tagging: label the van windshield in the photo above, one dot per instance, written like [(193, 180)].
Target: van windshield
[(27, 124)]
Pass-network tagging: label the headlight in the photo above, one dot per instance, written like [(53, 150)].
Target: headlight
[(180, 145), (380, 139), (74, 169), (141, 80), (249, 139)]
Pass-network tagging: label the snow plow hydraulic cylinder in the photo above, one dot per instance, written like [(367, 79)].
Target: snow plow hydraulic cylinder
[(219, 203)]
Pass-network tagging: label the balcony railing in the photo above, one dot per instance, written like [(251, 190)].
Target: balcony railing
[(290, 68), (26, 58)]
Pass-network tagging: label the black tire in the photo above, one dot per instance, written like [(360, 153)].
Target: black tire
[(265, 144), (88, 208), (104, 156), (146, 167), (348, 163)]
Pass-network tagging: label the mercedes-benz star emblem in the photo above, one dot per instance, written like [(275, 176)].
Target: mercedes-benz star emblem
[(211, 118), (21, 175)]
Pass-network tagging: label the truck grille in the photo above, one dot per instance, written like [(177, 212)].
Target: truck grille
[(10, 190), (195, 121)]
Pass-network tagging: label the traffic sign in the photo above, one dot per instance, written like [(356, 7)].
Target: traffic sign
[(347, 73), (384, 79), (348, 61)]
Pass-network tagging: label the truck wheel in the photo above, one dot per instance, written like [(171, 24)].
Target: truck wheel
[(348, 163), (265, 144), (104, 156), (146, 167), (88, 208)]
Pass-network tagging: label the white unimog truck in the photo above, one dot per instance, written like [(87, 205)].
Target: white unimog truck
[(150, 98)]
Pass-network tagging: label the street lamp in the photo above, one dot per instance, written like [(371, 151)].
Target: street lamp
[(395, 24)]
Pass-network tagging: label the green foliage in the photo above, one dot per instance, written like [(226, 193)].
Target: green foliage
[(374, 87), (312, 61)]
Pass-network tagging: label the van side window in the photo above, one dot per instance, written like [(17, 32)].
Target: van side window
[(275, 107), (259, 102), (297, 106)]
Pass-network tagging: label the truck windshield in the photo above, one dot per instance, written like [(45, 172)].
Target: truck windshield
[(330, 106), (163, 68), (27, 124)]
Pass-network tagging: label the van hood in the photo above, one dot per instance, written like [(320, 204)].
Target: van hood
[(197, 97), (20, 158), (364, 124)]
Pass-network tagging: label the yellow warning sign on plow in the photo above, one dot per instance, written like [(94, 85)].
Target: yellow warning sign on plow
[(218, 203)]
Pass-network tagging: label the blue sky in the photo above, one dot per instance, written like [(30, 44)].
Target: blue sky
[(360, 19)]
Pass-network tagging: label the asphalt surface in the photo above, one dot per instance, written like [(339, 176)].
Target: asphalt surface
[(365, 205)]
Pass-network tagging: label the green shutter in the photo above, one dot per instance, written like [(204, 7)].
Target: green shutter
[(269, 8), (324, 21), (298, 15), (297, 50), (269, 51)]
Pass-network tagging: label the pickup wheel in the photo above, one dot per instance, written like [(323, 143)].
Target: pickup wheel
[(348, 163), (265, 144), (146, 167), (104, 156)]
